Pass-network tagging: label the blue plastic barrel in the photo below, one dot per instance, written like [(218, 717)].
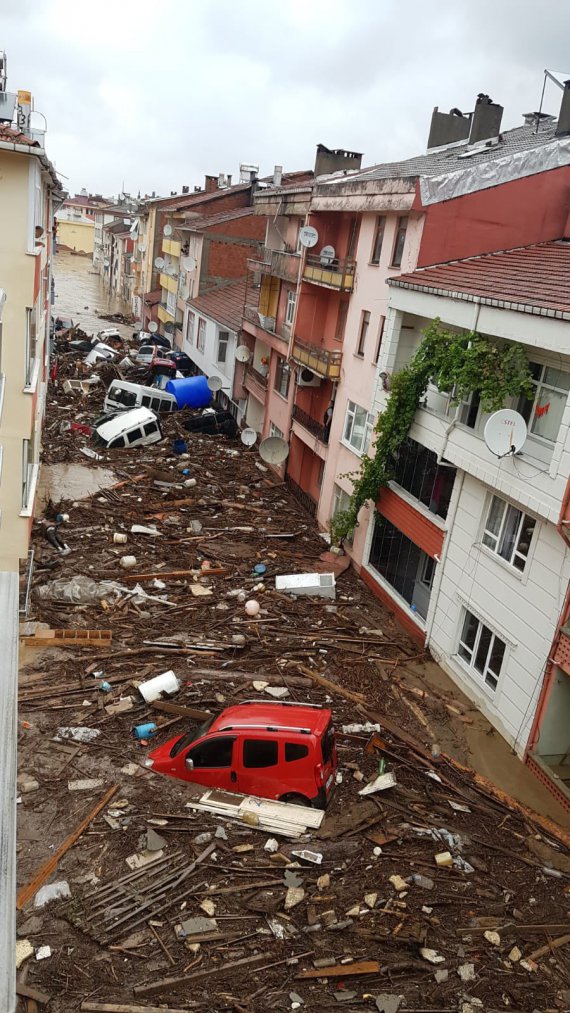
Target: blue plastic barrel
[(190, 392)]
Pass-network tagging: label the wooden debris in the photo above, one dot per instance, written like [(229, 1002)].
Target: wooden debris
[(89, 1006), (69, 638), (341, 970), (27, 992), (553, 944)]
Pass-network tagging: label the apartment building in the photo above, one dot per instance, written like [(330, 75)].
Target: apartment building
[(76, 222), (124, 211)]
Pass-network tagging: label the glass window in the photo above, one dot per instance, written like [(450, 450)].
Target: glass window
[(275, 430), (295, 751), (290, 311), (150, 428), (379, 339), (399, 242), (259, 753), (223, 341), (402, 563), (481, 649), (357, 427), (282, 377), (213, 753), (416, 470), (508, 532), (190, 320), (364, 325), (378, 240), (135, 434), (543, 413), (201, 339), (341, 319), (119, 441)]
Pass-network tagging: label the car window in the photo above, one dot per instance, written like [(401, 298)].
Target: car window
[(327, 742), (128, 398), (213, 753), (190, 737), (259, 753), (150, 428), (155, 403), (134, 435), (117, 442), (295, 751)]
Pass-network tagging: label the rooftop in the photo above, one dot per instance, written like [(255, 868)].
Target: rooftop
[(529, 279), (223, 304), (208, 222), (16, 136)]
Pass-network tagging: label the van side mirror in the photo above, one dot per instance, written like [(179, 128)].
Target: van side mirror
[(189, 763)]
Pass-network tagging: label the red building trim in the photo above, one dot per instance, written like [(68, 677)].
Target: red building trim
[(415, 525), (401, 614)]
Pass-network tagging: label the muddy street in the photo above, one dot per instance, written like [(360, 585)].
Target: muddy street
[(80, 294)]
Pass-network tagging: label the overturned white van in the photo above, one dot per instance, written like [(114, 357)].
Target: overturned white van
[(123, 395), (136, 428)]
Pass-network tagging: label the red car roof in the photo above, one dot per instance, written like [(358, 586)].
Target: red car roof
[(274, 714)]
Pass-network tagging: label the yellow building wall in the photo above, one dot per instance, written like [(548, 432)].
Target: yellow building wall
[(76, 236)]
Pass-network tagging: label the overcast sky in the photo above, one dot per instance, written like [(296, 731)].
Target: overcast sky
[(151, 96)]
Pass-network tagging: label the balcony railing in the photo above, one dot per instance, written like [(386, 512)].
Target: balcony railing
[(255, 383), (319, 360), (256, 376), (311, 424), (278, 263), (337, 274), (301, 496), (268, 324)]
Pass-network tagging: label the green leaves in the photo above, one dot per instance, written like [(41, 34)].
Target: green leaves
[(459, 363)]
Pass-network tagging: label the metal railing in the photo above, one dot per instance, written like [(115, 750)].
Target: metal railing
[(253, 314), (301, 496), (319, 360), (337, 273), (279, 263), (314, 427)]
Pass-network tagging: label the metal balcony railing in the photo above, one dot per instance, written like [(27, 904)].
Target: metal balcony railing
[(319, 360), (301, 496), (259, 319), (279, 263), (337, 274), (256, 376), (314, 427)]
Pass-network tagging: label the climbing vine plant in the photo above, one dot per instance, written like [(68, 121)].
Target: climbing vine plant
[(462, 363)]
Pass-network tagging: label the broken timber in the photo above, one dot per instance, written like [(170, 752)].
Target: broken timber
[(341, 970), (69, 638)]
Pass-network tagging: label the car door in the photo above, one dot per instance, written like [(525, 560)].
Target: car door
[(212, 762), (258, 767)]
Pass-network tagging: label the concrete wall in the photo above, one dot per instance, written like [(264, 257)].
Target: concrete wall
[(76, 236)]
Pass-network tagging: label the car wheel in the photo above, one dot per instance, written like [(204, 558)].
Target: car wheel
[(294, 799)]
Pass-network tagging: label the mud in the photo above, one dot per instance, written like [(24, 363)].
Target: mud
[(79, 292), (72, 481)]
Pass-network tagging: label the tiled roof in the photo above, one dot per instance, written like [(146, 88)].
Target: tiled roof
[(530, 279), (197, 224), (152, 298), (16, 137), (223, 304)]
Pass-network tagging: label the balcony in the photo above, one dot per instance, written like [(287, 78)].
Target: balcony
[(252, 314), (164, 314), (562, 653), (302, 497), (319, 360), (277, 263), (171, 246), (338, 274), (310, 424), (255, 383), (170, 284)]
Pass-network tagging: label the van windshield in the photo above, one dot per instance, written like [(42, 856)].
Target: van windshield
[(190, 737)]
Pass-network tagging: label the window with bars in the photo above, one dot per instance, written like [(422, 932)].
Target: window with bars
[(508, 532), (201, 339), (481, 649), (364, 325), (282, 377), (378, 239), (399, 242), (357, 427), (416, 470)]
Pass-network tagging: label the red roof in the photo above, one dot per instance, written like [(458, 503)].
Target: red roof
[(530, 279), (223, 304), (197, 224), (16, 137), (152, 298)]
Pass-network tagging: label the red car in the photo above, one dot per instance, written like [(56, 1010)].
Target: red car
[(283, 751)]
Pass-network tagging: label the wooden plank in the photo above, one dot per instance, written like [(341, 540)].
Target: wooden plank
[(176, 708), (341, 970), (543, 951), (161, 574), (27, 992), (89, 1006), (332, 687), (45, 870), (168, 984)]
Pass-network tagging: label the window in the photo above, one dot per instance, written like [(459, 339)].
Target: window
[(364, 325), (378, 239), (357, 427), (290, 311), (282, 377), (543, 413), (402, 563), (508, 532), (201, 339), (119, 441), (214, 753), (259, 753), (31, 344), (150, 428), (134, 435), (340, 503), (275, 431), (126, 397), (341, 319), (416, 470), (190, 320), (481, 649), (223, 341), (171, 303), (327, 743), (399, 242), (379, 340), (27, 470), (295, 751)]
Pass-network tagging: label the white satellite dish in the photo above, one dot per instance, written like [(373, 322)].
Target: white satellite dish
[(308, 236), (189, 263), (327, 255), (243, 353), (215, 383), (274, 450), (159, 263), (505, 432), (153, 327), (141, 247), (248, 437), (167, 230)]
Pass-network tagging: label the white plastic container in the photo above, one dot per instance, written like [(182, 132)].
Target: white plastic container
[(127, 562), (322, 585), (119, 538), (154, 688)]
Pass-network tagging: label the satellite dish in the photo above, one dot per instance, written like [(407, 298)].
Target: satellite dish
[(153, 327), (167, 230), (505, 432), (274, 450), (308, 236), (189, 263), (327, 255), (243, 353), (215, 383), (142, 247), (248, 437), (159, 262)]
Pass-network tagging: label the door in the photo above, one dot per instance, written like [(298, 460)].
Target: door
[(258, 767), (213, 763)]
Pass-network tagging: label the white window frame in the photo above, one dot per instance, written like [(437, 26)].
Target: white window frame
[(468, 662), (539, 387), (282, 373), (223, 345), (190, 325), (276, 431), (31, 364), (493, 541), (357, 446), (290, 310), (201, 335)]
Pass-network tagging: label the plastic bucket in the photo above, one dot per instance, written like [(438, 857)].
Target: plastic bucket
[(190, 392), (144, 731), (165, 683)]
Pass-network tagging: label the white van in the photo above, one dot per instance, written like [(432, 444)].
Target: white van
[(122, 395), (136, 428), (109, 332)]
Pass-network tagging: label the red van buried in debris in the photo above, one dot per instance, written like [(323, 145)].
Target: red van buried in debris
[(283, 751)]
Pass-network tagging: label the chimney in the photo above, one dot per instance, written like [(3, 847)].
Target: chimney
[(335, 160), (563, 128), (486, 120), (197, 189), (228, 180), (185, 189), (448, 128), (277, 175), (211, 184)]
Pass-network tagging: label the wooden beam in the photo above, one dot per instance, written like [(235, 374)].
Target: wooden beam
[(543, 951), (341, 970), (27, 992), (332, 687), (176, 708), (172, 574), (89, 1006)]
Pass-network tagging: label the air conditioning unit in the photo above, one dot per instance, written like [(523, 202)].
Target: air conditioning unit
[(307, 378)]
